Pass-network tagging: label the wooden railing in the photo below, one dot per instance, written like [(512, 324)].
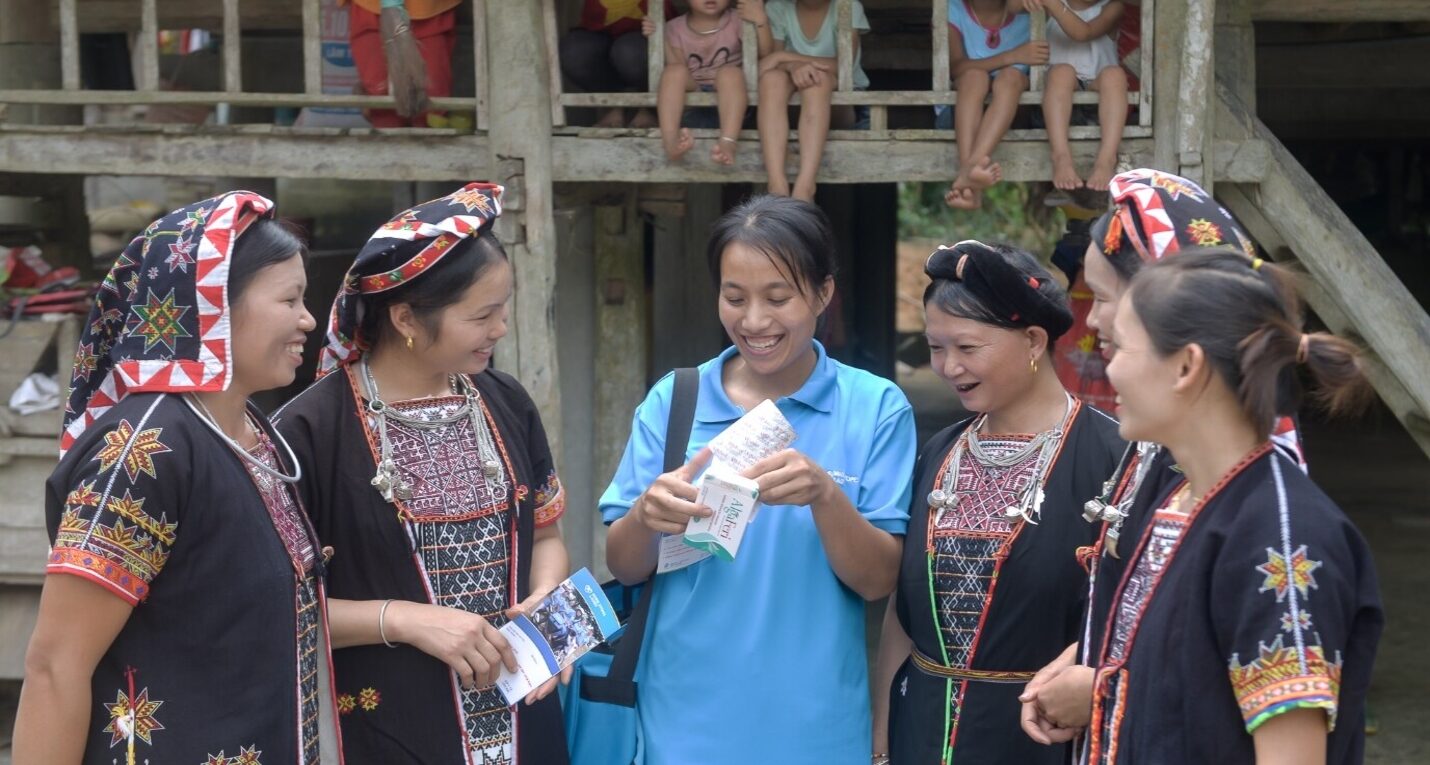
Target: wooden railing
[(147, 81), (878, 101)]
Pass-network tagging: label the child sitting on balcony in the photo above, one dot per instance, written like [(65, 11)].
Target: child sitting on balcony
[(702, 53), (799, 52), (1082, 55), (989, 49)]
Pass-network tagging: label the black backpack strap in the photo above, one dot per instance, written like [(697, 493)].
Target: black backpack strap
[(618, 686)]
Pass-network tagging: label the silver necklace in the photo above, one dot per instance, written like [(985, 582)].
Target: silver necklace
[(203, 413), (724, 19), (1027, 507), (1102, 509), (388, 480)]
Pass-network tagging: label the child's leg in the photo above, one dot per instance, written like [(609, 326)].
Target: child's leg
[(1111, 87), (814, 109), (1008, 85), (972, 88), (1058, 91), (732, 99), (773, 117), (670, 105)]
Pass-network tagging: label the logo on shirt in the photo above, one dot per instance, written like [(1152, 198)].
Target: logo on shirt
[(842, 478)]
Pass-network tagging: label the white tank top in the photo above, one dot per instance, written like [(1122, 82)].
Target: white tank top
[(1088, 58)]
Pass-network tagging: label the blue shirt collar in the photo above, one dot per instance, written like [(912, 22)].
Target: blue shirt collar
[(817, 393)]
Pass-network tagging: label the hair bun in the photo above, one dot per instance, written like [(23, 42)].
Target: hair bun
[(942, 263)]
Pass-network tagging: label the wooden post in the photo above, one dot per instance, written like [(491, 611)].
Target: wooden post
[(1194, 106), (232, 63), (622, 337), (148, 45), (312, 48), (844, 43), (479, 51), (1170, 17), (655, 46), (553, 60), (520, 145), (1235, 42), (1147, 64), (1038, 29), (940, 45), (750, 60), (69, 46)]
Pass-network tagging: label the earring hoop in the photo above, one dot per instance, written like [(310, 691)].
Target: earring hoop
[(409, 342), (1033, 365)]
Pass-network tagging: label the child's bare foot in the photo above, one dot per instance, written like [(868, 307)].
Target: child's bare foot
[(612, 118), (961, 196), (644, 120), (1065, 174), (804, 189), (982, 173), (778, 185), (1102, 172), (723, 152), (678, 144)]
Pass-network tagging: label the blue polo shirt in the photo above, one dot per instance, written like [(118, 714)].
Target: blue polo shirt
[(762, 659)]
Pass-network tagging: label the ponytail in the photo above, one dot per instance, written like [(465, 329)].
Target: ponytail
[(1246, 317)]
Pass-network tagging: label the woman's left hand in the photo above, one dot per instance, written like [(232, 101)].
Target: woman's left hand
[(790, 478), (525, 608)]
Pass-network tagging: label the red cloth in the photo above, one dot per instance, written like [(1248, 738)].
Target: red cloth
[(615, 17), (1077, 358), (436, 37), (1129, 38)]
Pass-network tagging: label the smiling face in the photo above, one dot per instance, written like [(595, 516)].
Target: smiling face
[(986, 366), (467, 331), (270, 325), (770, 319), (1148, 407), (1107, 288)]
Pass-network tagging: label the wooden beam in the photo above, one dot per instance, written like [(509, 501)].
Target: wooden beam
[(640, 160), (939, 26), (232, 55), (838, 98), (519, 142), (118, 15), (1352, 284), (655, 47), (750, 58), (148, 46), (553, 60), (1194, 105), (69, 45), (130, 97), (1038, 26), (375, 157), (312, 48), (1146, 71), (1340, 11), (479, 58), (844, 43)]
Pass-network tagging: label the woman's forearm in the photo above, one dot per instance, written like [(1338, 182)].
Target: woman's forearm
[(864, 557), (550, 565), (894, 648), (632, 548), (52, 724)]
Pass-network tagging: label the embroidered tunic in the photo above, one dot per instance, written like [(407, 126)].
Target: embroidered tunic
[(461, 540), (994, 598), (1261, 601), (224, 658)]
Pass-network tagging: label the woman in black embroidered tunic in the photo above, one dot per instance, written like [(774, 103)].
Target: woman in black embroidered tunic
[(190, 627), (990, 587), (1248, 591), (429, 474)]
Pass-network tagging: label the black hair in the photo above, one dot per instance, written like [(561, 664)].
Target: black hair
[(999, 285), (440, 286), (1124, 259), (266, 242), (1246, 317), (795, 235)]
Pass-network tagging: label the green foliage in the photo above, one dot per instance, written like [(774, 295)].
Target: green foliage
[(1006, 216)]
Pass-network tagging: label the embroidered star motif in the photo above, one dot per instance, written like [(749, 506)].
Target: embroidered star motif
[(132, 509), (1204, 232), (473, 199), (133, 718), (83, 495), (369, 698), (85, 361), (193, 218), (407, 221), (247, 756), (216, 759), (1291, 622), (100, 322), (346, 703), (179, 258), (1174, 187), (1282, 574), (132, 283), (158, 321), (622, 9), (142, 448)]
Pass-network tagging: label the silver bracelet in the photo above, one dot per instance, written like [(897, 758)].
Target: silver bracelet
[(381, 628), (879, 759)]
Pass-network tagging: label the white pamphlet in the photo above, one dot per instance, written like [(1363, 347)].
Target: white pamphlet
[(732, 498)]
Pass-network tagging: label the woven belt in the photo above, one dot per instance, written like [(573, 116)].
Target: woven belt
[(930, 667)]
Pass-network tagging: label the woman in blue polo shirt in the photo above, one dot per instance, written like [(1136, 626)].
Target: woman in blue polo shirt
[(762, 659)]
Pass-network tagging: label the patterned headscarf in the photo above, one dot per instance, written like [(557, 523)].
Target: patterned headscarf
[(1155, 214), (161, 320), (1012, 296), (402, 250)]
